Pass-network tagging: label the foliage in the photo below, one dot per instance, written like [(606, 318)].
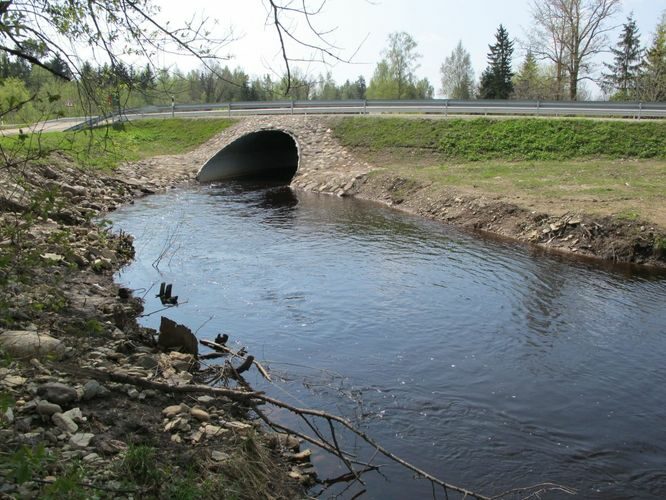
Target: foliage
[(531, 81), (457, 74), (622, 77), (26, 462), (496, 79), (394, 76), (13, 93), (652, 81), (509, 139), (107, 147), (139, 465)]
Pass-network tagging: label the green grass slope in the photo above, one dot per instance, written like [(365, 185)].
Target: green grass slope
[(512, 139)]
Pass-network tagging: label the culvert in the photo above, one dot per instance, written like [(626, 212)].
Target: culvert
[(263, 155)]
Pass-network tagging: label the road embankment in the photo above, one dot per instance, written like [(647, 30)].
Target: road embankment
[(583, 187)]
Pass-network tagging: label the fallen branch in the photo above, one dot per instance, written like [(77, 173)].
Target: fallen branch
[(253, 398), (239, 354)]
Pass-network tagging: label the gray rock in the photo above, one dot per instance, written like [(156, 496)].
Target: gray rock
[(58, 393), (75, 414), (81, 439), (26, 344), (64, 423), (93, 389), (46, 409)]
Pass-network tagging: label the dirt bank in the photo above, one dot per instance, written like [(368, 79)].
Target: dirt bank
[(74, 423), (572, 232)]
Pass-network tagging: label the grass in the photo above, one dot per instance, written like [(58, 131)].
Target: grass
[(515, 139), (106, 147), (604, 167)]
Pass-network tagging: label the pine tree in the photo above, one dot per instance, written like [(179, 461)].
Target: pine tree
[(623, 73), (530, 81), (652, 81), (496, 80)]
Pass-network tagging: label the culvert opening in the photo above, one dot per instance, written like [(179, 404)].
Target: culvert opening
[(270, 155)]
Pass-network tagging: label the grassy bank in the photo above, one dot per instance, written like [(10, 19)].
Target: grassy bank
[(106, 147), (517, 139), (552, 165)]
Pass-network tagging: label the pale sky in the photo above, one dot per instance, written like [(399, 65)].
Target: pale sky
[(436, 25)]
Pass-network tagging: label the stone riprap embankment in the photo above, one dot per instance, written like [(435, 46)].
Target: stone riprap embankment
[(324, 165)]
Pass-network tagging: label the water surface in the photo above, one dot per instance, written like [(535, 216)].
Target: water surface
[(476, 360)]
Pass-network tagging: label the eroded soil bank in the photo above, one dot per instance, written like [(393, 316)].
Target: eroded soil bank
[(572, 232), (73, 421)]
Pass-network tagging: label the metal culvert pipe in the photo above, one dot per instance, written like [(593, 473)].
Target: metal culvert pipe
[(262, 155)]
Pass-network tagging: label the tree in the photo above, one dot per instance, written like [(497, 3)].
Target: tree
[(569, 33), (326, 89), (531, 80), (457, 74), (355, 90), (394, 76), (652, 81), (496, 79), (622, 77)]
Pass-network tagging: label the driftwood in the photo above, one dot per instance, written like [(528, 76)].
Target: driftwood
[(221, 348)]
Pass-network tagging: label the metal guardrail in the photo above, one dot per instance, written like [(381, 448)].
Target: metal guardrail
[(444, 107)]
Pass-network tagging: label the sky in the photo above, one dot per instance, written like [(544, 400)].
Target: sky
[(361, 27)]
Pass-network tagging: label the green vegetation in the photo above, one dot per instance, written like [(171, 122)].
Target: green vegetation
[(106, 147), (601, 167), (516, 139)]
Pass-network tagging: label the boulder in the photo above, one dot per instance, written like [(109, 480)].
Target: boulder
[(25, 344), (58, 393)]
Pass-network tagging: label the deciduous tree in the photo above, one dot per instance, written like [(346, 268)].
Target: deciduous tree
[(394, 76), (569, 33), (457, 74)]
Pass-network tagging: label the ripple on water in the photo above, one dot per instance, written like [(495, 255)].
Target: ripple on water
[(472, 358)]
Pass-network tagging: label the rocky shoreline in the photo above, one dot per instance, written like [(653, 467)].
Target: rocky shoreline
[(70, 423)]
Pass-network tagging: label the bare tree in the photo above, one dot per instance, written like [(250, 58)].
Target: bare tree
[(285, 16), (569, 33)]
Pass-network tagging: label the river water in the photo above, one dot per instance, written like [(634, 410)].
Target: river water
[(479, 361)]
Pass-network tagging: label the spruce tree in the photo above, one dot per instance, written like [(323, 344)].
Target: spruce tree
[(652, 80), (496, 80), (623, 73)]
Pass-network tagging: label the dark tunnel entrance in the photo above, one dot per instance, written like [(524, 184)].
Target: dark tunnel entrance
[(265, 155)]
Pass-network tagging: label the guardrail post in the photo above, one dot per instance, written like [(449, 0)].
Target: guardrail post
[(538, 106), (640, 109), (173, 107), (292, 106), (365, 106), (229, 109), (446, 109)]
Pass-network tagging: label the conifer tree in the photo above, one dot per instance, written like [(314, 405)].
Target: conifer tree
[(496, 80), (652, 81), (623, 73)]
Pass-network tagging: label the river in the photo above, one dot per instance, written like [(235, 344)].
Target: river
[(482, 362)]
